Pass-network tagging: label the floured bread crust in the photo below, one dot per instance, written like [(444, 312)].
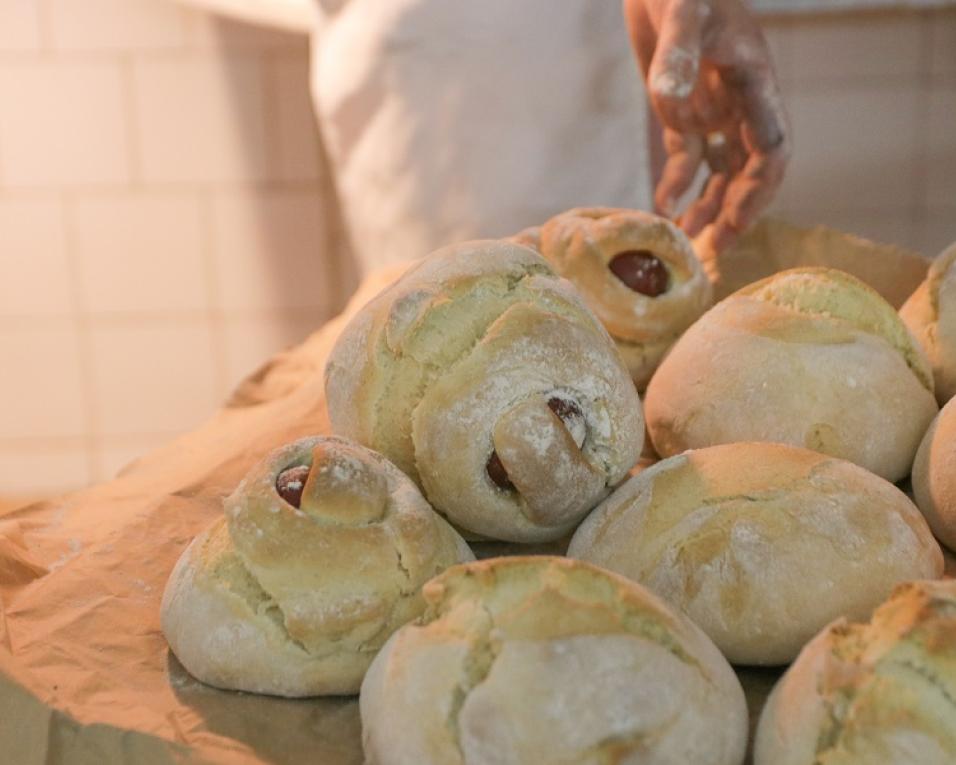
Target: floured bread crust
[(810, 357), (930, 314), (934, 476), (295, 600), (880, 693), (761, 544), (549, 660), (581, 243), (480, 353)]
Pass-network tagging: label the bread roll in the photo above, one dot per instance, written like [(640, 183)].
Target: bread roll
[(321, 556), (548, 660), (761, 544), (638, 273), (934, 476), (871, 694), (485, 378), (930, 314), (810, 357)]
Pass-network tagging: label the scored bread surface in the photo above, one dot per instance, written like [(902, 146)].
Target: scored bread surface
[(478, 335), (538, 659), (295, 601), (809, 357)]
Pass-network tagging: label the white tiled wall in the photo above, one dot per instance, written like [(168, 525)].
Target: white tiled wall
[(163, 226), (165, 215), (873, 101)]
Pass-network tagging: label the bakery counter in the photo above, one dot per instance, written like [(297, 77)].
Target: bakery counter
[(85, 671)]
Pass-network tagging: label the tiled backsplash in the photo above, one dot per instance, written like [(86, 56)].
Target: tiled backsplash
[(873, 102), (163, 226), (165, 216)]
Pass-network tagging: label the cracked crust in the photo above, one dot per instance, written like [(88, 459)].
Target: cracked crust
[(930, 314), (540, 659), (934, 476), (809, 357), (881, 693), (761, 544), (580, 243), (476, 335), (296, 601)]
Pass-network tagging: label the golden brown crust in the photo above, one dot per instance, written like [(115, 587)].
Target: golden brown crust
[(882, 693), (811, 358), (309, 592), (934, 476), (580, 244), (480, 333), (930, 314), (748, 540), (538, 659)]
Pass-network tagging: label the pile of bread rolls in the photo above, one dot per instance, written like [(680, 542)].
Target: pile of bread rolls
[(492, 393)]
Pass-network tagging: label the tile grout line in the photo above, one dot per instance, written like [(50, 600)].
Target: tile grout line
[(45, 24), (84, 338), (133, 148), (920, 154), (213, 314), (269, 74)]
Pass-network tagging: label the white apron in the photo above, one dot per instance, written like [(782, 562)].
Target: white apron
[(447, 120)]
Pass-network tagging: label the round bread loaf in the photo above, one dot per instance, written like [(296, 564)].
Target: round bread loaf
[(934, 476), (638, 273), (930, 314), (548, 660), (810, 357), (486, 379), (871, 694), (761, 544), (321, 556)]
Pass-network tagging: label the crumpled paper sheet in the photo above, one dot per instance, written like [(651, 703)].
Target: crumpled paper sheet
[(85, 673)]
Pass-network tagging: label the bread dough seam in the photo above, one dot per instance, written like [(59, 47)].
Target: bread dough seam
[(929, 676), (839, 711), (433, 371), (607, 749), (482, 653), (265, 605), (906, 352)]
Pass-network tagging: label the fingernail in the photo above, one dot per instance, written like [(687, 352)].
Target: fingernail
[(667, 207)]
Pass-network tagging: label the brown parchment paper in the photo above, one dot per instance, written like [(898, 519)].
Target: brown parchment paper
[(85, 674), (773, 245)]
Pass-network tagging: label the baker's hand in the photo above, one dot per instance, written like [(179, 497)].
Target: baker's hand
[(712, 84)]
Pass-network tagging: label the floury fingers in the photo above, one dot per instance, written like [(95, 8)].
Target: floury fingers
[(487, 379)]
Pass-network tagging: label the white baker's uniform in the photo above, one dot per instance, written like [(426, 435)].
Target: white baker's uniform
[(447, 120)]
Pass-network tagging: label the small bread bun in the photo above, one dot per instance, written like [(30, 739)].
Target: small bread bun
[(638, 273), (549, 660), (321, 556), (761, 544), (810, 357), (930, 314), (871, 694), (486, 379), (934, 476)]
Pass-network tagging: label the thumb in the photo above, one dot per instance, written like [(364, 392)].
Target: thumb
[(674, 68)]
